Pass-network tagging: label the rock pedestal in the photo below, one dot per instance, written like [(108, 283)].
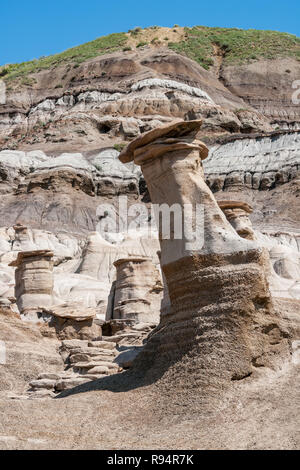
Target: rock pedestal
[(221, 318), (22, 240), (237, 213), (33, 280), (138, 291)]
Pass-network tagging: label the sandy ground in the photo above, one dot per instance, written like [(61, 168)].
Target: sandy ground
[(117, 412), (261, 414)]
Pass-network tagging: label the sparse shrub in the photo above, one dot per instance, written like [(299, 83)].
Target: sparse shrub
[(238, 46), (135, 31), (127, 48), (240, 110), (142, 44), (119, 147), (28, 81)]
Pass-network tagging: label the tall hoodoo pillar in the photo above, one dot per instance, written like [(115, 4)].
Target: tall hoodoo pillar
[(138, 290), (221, 318), (237, 213), (33, 280)]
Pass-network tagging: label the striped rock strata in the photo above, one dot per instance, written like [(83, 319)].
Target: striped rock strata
[(139, 289)]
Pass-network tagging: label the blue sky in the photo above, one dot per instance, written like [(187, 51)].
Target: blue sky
[(30, 29)]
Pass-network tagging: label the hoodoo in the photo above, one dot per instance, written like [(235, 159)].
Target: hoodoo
[(138, 290), (237, 213), (221, 318), (34, 280)]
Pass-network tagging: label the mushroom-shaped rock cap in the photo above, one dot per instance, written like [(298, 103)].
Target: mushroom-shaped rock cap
[(28, 254), (137, 259), (73, 311), (19, 226), (176, 130), (235, 205)]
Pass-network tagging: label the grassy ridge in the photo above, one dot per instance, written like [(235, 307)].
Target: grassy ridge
[(76, 55), (238, 46)]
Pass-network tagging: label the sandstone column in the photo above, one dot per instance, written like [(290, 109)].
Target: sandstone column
[(33, 280), (138, 291), (237, 213), (221, 315)]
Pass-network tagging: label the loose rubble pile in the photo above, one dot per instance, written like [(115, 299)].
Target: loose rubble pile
[(86, 361)]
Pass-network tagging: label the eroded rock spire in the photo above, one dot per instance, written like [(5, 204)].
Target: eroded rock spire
[(221, 318), (138, 289)]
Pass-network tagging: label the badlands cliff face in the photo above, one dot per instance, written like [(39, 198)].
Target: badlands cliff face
[(61, 129), (76, 138)]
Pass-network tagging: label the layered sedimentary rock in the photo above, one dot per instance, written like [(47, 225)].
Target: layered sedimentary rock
[(122, 94), (98, 174), (221, 317), (138, 290), (259, 162), (63, 192), (237, 213), (34, 280)]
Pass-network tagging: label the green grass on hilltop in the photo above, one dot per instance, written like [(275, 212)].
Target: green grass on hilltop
[(239, 46), (76, 55)]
